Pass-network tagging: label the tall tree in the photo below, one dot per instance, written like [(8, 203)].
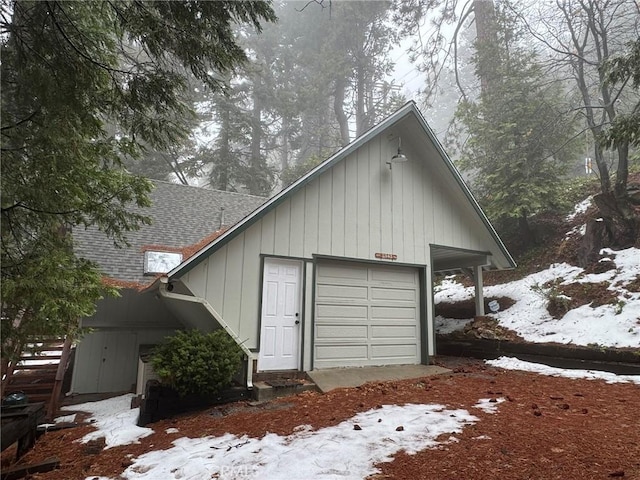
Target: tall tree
[(517, 145), (360, 40), (582, 36), (67, 71), (313, 76), (224, 159)]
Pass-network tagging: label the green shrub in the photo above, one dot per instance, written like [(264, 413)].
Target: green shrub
[(558, 304), (193, 362)]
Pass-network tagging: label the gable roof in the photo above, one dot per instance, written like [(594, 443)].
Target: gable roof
[(182, 216), (409, 109)]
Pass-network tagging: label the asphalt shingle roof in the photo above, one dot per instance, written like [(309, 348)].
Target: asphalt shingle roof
[(181, 217)]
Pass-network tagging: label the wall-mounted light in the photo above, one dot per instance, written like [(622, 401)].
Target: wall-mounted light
[(399, 157)]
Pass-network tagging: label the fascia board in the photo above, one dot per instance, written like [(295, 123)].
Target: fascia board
[(272, 203), (458, 177)]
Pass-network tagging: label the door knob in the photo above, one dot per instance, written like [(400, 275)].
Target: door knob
[(297, 322)]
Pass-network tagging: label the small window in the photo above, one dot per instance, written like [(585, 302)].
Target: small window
[(161, 262)]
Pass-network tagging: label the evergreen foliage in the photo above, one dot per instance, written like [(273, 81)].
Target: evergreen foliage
[(308, 75), (293, 173), (519, 140), (77, 99), (193, 362), (625, 128)]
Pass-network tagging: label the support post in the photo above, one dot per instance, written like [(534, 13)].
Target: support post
[(477, 278), (54, 402)]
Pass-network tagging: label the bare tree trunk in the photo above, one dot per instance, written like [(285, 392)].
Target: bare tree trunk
[(284, 154), (603, 168), (255, 161), (225, 124), (486, 35), (361, 120), (526, 234), (622, 174), (338, 108)]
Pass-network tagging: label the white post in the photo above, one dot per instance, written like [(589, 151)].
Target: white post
[(477, 277), (429, 324)]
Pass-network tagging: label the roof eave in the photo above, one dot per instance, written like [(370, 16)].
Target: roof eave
[(408, 108), (454, 171), (190, 263)]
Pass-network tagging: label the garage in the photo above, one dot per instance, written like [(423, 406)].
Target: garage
[(366, 314)]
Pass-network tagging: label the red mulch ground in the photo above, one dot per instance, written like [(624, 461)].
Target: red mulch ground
[(549, 428)]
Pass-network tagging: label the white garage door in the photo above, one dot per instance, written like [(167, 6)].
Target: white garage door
[(366, 315)]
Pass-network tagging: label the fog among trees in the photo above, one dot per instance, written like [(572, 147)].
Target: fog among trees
[(98, 97)]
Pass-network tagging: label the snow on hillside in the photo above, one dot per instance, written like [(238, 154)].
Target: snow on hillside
[(511, 363), (607, 325)]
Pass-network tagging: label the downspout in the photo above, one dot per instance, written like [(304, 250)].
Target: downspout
[(164, 292)]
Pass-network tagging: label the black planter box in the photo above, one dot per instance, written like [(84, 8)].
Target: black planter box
[(162, 402)]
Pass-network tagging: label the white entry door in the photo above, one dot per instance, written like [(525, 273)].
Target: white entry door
[(281, 327)]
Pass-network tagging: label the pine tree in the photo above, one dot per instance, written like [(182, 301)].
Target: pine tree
[(519, 140), (76, 100)]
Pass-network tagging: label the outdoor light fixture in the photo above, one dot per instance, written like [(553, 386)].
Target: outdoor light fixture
[(399, 157)]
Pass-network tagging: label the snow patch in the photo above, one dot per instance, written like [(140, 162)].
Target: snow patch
[(444, 326), (114, 419), (580, 208), (606, 325), (577, 230), (339, 451), (512, 363), (489, 405)]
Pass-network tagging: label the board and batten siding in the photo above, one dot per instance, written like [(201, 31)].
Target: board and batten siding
[(110, 358), (356, 209)]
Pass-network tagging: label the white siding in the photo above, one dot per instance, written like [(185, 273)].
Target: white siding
[(110, 359), (355, 209), (251, 285)]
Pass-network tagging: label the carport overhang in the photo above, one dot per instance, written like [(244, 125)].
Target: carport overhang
[(451, 260)]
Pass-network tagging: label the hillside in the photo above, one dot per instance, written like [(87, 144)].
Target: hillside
[(549, 298)]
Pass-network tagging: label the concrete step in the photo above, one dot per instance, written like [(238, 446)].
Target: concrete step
[(280, 375), (262, 391)]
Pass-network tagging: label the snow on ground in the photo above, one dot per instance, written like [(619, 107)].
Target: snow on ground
[(450, 325), (512, 363), (43, 360), (607, 325), (580, 208), (114, 419), (489, 405), (339, 451)]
